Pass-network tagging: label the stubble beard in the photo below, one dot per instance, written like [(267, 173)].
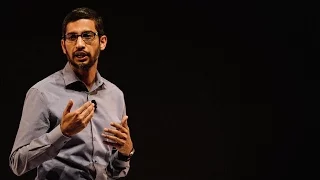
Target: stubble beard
[(83, 66)]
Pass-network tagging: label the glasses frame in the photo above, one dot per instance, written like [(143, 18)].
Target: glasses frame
[(87, 41)]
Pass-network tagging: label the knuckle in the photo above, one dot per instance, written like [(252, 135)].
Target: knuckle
[(76, 113), (80, 117), (125, 136), (84, 123)]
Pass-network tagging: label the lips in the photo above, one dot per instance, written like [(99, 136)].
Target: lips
[(80, 54)]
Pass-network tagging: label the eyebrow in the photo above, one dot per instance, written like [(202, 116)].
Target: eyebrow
[(81, 32)]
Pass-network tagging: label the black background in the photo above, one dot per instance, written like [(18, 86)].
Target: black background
[(214, 89)]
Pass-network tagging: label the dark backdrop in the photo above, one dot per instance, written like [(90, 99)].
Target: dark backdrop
[(214, 90)]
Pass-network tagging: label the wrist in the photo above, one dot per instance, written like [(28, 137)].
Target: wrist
[(63, 133), (126, 157)]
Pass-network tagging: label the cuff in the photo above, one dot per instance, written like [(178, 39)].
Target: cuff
[(56, 138)]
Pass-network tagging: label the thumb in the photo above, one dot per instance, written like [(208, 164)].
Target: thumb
[(124, 121), (68, 107)]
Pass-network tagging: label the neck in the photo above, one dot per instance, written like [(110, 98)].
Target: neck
[(87, 76)]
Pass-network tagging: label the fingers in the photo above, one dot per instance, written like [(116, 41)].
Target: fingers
[(89, 116), (123, 126), (124, 122), (115, 141), (68, 107), (86, 113), (83, 107), (118, 137), (116, 133), (120, 133), (120, 127), (116, 145)]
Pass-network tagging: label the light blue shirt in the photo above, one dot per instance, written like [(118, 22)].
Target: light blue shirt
[(40, 143)]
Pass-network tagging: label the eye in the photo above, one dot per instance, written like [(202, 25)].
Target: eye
[(72, 37), (88, 35)]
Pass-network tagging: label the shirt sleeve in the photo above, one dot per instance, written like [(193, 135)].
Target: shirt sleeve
[(33, 143), (117, 168)]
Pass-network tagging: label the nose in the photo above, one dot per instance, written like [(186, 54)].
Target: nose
[(80, 43)]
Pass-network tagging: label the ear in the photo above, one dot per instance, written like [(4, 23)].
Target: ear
[(103, 42), (63, 46)]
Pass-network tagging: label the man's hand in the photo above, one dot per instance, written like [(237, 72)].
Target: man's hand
[(76, 121), (120, 137)]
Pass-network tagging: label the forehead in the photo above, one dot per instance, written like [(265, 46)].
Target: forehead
[(80, 26)]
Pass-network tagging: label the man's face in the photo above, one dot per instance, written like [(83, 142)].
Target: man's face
[(82, 51)]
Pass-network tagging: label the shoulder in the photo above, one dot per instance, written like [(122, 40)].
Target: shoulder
[(111, 87), (50, 82)]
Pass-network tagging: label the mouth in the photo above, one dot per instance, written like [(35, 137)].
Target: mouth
[(81, 59), (81, 56)]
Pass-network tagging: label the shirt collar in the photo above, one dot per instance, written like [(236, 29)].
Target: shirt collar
[(70, 77)]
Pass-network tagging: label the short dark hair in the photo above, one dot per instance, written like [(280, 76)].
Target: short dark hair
[(83, 13)]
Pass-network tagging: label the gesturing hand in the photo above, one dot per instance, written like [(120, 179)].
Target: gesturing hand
[(74, 122), (120, 136)]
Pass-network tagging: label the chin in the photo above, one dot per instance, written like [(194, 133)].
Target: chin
[(82, 65), (85, 65)]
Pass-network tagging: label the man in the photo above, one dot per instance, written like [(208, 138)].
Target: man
[(74, 124)]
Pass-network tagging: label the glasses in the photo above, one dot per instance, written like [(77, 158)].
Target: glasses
[(87, 37)]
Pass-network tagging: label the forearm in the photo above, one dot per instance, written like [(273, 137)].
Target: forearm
[(43, 148)]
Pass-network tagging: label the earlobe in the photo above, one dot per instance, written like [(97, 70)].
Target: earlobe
[(103, 42)]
